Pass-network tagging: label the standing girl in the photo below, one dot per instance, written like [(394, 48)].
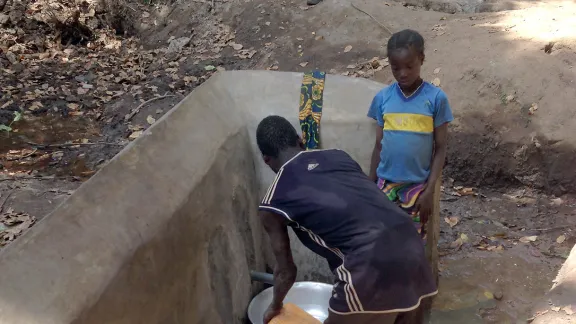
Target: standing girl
[(411, 133)]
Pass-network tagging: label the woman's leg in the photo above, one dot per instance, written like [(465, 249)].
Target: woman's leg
[(413, 317), (388, 318)]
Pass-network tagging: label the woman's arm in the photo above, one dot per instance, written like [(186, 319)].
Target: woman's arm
[(285, 269)]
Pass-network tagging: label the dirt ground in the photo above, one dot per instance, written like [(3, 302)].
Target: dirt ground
[(72, 99)]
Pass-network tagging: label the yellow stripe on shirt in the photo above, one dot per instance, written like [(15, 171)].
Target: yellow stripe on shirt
[(408, 122)]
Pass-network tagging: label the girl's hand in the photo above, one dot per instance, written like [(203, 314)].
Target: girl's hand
[(424, 206), (271, 312)]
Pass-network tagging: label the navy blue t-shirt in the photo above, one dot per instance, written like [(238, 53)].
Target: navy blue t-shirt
[(332, 205)]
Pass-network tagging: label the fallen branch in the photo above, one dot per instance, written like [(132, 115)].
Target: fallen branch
[(23, 156), (70, 144), (137, 110), (376, 20), (38, 178), (547, 230)]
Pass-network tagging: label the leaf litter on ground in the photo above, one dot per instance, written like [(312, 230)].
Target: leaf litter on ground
[(13, 224)]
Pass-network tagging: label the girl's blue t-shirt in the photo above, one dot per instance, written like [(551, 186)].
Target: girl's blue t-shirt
[(408, 125)]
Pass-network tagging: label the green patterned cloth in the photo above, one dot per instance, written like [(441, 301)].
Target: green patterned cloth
[(311, 100)]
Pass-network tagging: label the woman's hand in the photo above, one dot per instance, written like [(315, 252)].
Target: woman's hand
[(271, 312)]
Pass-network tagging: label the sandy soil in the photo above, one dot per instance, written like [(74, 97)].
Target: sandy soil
[(496, 68)]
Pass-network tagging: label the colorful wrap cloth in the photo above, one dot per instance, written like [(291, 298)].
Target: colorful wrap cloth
[(310, 112), (405, 196)]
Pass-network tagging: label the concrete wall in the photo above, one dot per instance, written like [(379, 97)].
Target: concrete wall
[(167, 232), (344, 125), (562, 295)]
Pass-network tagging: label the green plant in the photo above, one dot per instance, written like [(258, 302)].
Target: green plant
[(17, 117)]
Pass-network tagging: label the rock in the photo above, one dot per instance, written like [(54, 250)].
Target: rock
[(176, 45), (498, 295), (17, 67), (4, 18), (11, 57)]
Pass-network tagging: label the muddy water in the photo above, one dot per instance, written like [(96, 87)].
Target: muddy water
[(499, 286), (19, 154), (471, 285)]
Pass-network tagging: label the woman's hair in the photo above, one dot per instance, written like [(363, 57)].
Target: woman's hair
[(407, 39), (275, 134)]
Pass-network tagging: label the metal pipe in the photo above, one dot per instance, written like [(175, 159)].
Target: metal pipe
[(266, 278)]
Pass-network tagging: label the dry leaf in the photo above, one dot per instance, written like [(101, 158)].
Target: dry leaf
[(466, 191), (35, 105), (555, 309), (533, 109), (384, 63), (244, 54), (303, 64), (150, 120), (561, 239), (319, 37), (274, 68), (351, 66), (347, 48), (189, 79), (135, 135), (556, 201), (459, 241), (489, 295), (452, 221), (568, 310), (436, 70), (236, 46), (528, 239), (7, 104), (436, 82), (82, 90)]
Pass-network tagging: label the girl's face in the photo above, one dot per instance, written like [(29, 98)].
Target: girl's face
[(406, 64)]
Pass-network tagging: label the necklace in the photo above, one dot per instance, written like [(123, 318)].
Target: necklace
[(413, 92)]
